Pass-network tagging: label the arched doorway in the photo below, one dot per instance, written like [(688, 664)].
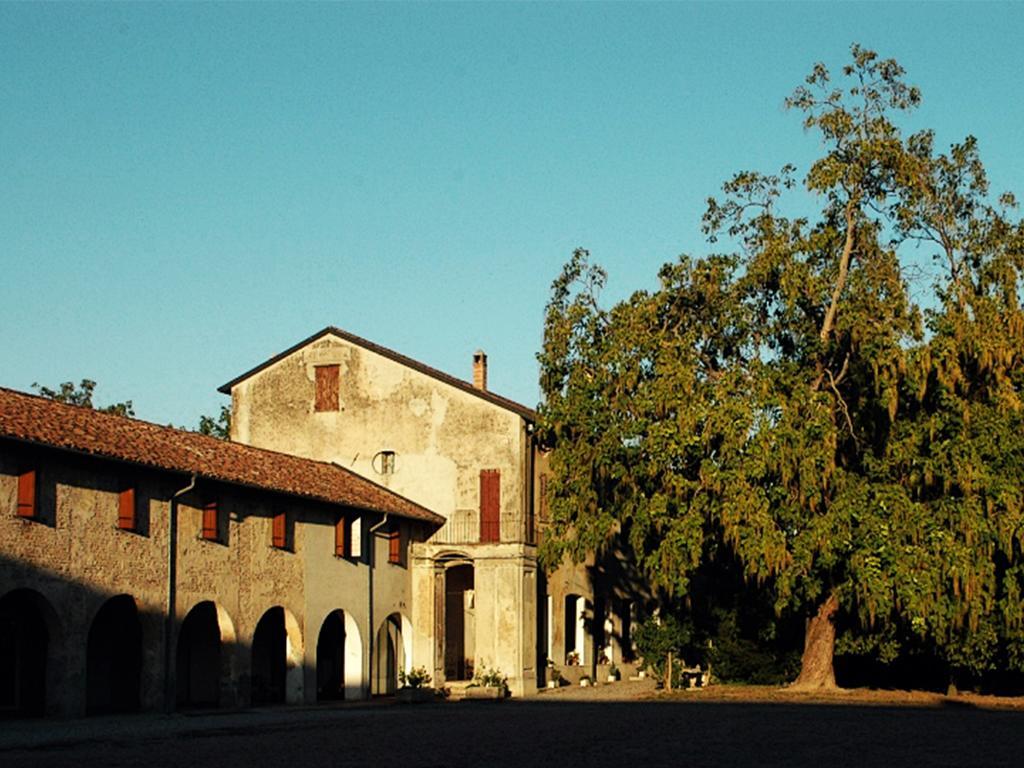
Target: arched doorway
[(339, 659), (202, 669), (28, 629), (114, 658), (459, 622), (389, 655), (276, 659)]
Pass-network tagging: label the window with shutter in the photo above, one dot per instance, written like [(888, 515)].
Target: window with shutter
[(279, 534), (27, 486), (340, 537), (210, 527), (126, 516), (327, 391), (490, 505), (395, 547)]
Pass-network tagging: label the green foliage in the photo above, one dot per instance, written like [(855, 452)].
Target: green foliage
[(736, 657), (656, 637), (789, 400), (81, 395), (417, 677), (490, 678), (219, 427)]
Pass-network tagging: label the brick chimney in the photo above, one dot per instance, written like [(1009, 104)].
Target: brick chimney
[(480, 370)]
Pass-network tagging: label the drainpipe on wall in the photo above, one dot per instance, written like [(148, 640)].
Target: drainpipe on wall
[(372, 557), (172, 589)]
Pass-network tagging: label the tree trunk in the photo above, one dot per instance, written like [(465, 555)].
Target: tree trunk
[(816, 670)]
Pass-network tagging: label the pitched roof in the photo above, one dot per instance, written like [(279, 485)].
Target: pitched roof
[(511, 405), (45, 422)]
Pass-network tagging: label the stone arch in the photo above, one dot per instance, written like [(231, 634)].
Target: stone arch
[(276, 669), (453, 557), (204, 669), (390, 654), (339, 658), (31, 660), (114, 657)]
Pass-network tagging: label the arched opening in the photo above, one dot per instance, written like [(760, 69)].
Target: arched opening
[(202, 671), (339, 659), (459, 623), (389, 655), (28, 625), (276, 659), (114, 658), (576, 609)]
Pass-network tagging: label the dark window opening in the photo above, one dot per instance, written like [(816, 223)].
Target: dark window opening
[(384, 462), (348, 537), (342, 538)]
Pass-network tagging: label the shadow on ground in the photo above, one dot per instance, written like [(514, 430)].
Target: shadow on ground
[(540, 732)]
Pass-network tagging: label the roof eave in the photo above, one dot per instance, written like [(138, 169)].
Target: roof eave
[(425, 516)]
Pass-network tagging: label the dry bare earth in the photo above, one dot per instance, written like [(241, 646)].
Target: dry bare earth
[(720, 726)]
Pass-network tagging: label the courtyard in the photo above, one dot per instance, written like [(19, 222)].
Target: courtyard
[(615, 725)]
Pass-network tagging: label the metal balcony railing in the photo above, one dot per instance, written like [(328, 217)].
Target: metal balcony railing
[(464, 527)]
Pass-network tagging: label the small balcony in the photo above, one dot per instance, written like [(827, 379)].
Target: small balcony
[(464, 528)]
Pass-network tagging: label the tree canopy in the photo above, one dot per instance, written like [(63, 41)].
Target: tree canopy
[(81, 395), (804, 399)]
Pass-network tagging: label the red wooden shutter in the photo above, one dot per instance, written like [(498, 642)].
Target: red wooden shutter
[(326, 388), (490, 505), (395, 547), (210, 521), (280, 530), (126, 509), (339, 537), (27, 494)]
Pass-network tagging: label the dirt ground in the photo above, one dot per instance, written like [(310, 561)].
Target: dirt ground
[(620, 725)]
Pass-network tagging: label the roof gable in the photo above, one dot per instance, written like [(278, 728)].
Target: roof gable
[(503, 402)]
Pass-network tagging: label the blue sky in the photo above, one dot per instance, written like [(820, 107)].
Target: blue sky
[(186, 190)]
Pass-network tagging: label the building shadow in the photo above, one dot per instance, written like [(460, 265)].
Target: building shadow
[(70, 650)]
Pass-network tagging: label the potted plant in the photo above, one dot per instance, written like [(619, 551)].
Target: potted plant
[(488, 684), (613, 673), (554, 675), (585, 681), (415, 686)]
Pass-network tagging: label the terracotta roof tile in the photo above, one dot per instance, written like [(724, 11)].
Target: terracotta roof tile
[(46, 422)]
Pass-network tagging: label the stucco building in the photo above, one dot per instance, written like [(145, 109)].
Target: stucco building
[(450, 445), (480, 599), (143, 567)]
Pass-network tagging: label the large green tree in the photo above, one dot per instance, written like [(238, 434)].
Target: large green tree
[(788, 400)]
